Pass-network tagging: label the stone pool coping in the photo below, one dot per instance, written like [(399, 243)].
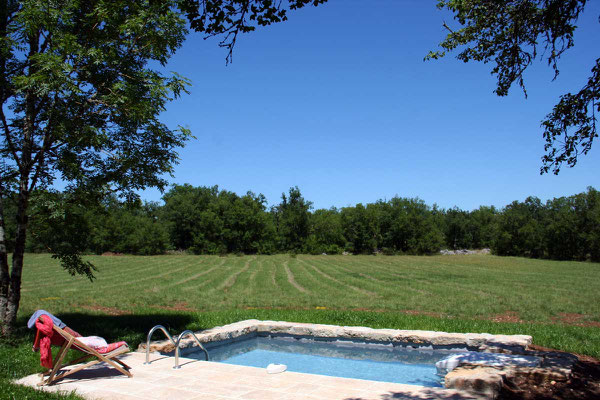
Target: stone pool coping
[(416, 338)]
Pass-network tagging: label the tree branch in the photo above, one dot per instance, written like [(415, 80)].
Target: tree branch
[(445, 25), (9, 141), (38, 160)]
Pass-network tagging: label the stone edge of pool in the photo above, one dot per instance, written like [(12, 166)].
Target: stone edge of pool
[(472, 341), (475, 379)]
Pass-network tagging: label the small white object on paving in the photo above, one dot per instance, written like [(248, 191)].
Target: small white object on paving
[(276, 368), (203, 380)]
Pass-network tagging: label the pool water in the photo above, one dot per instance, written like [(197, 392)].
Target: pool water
[(343, 358)]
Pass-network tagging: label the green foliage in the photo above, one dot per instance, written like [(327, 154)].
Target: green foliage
[(588, 206), (326, 232), (292, 221), (468, 230), (408, 226), (511, 35), (68, 227), (208, 221), (361, 228), (521, 229), (130, 228), (458, 230), (97, 100), (565, 228), (483, 227), (183, 204), (561, 231), (573, 112), (58, 225), (572, 228)]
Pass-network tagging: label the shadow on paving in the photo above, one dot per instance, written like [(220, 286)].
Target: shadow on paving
[(423, 394)]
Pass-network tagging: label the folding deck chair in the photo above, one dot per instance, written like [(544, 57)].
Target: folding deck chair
[(72, 342)]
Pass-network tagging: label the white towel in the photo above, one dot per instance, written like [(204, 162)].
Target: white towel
[(93, 341), (447, 364)]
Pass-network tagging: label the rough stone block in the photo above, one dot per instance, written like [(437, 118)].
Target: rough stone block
[(479, 381)]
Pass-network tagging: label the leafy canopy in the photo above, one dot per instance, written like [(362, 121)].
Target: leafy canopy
[(228, 18), (511, 34)]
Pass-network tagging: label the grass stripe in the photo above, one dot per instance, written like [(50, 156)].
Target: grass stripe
[(291, 280)]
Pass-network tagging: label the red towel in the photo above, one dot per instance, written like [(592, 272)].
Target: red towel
[(44, 338)]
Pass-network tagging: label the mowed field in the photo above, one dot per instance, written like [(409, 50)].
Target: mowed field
[(556, 302)]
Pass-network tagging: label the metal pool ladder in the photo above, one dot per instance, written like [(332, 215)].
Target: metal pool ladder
[(175, 343)]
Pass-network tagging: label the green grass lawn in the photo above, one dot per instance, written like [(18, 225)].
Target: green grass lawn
[(558, 303)]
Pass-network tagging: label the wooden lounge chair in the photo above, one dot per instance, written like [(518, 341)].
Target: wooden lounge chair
[(71, 342)]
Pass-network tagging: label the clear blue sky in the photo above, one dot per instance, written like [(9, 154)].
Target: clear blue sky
[(338, 101)]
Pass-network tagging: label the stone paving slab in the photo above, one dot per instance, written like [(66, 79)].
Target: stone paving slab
[(203, 380)]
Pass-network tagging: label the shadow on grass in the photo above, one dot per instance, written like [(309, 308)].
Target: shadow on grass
[(132, 328)]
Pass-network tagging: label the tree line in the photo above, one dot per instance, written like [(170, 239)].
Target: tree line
[(208, 220)]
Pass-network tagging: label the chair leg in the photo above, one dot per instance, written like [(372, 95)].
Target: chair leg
[(79, 368), (110, 361), (58, 362), (99, 360), (117, 366), (51, 370), (127, 367)]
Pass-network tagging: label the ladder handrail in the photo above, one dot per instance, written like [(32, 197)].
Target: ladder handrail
[(181, 335), (162, 328)]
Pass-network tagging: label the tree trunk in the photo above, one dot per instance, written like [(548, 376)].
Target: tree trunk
[(25, 167), (14, 289), (4, 273)]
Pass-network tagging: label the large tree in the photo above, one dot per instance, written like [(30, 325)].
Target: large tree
[(511, 34), (292, 220), (80, 97)]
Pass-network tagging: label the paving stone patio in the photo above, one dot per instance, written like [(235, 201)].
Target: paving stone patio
[(202, 380)]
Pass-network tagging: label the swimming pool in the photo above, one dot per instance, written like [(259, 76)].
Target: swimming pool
[(333, 357)]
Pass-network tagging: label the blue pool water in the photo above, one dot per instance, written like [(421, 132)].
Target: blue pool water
[(378, 362), (414, 374)]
